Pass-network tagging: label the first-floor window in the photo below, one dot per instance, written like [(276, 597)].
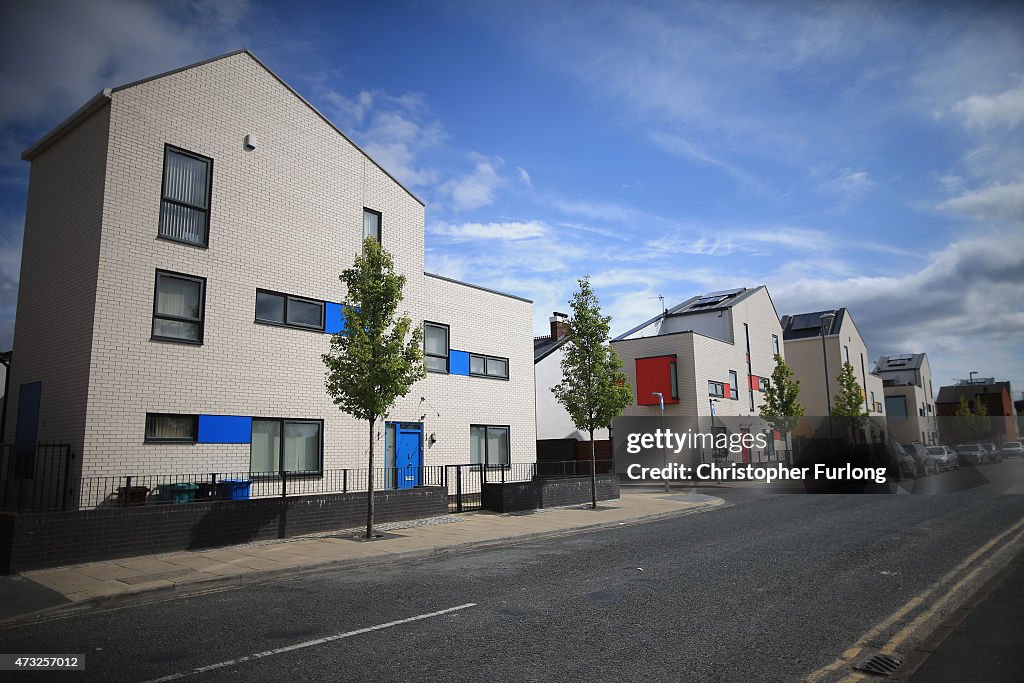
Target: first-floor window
[(435, 347), (488, 445), (290, 446), (170, 428), (716, 388), (488, 366), (734, 385), (178, 307), (293, 311)]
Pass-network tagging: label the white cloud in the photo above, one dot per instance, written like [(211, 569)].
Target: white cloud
[(56, 55), (524, 177), (970, 291), (1004, 110), (996, 202), (848, 182), (477, 189), (395, 130), (679, 146), (491, 231)]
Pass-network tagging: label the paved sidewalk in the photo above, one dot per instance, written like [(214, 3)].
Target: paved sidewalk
[(197, 570)]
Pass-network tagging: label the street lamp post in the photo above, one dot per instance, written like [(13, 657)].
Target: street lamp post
[(826, 327), (972, 373), (661, 404), (711, 404)]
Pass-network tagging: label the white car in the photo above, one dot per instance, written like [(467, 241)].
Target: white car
[(944, 457), (1013, 448)]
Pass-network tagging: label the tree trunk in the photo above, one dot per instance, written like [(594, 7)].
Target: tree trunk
[(369, 487), (593, 472)]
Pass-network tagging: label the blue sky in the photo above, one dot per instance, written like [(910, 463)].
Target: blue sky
[(859, 154)]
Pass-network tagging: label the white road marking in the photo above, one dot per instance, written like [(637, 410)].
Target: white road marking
[(309, 643)]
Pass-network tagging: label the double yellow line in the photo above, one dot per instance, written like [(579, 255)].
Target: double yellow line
[(931, 611)]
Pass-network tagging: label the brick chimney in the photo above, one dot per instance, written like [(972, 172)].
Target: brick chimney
[(559, 325)]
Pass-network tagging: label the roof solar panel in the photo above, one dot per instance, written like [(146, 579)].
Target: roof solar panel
[(709, 300), (806, 321), (725, 292)]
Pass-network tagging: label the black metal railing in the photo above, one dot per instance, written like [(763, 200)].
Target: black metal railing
[(36, 477), (465, 483), (41, 478), (175, 488)]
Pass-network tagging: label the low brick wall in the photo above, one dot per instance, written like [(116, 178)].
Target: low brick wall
[(40, 540), (547, 493)]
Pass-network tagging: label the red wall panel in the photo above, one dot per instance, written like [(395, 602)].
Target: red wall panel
[(654, 374)]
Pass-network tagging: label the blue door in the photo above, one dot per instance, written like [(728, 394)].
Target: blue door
[(408, 454), (27, 429)]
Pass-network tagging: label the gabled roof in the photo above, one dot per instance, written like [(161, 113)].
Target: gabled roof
[(702, 303), (903, 361), (106, 94), (545, 346), (808, 325)]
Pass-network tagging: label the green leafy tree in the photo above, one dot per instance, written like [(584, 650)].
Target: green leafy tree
[(377, 357), (959, 426), (848, 403), (981, 424), (780, 407), (970, 422), (593, 387)]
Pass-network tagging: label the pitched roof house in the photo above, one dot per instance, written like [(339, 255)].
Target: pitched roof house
[(183, 239)]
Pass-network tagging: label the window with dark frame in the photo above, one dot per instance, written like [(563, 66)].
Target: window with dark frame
[(775, 345), (275, 308), (734, 385), (489, 445), (673, 378), (488, 366), (178, 307), (185, 197), (171, 428), (371, 224), (716, 388), (294, 447), (435, 347)]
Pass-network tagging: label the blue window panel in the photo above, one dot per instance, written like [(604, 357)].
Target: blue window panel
[(224, 429), (458, 362), (334, 321)]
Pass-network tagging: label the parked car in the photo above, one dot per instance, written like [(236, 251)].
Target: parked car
[(944, 457), (907, 465), (1013, 448), (993, 452), (973, 453), (923, 463)]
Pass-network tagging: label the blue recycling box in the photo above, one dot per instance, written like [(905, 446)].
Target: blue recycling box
[(234, 489)]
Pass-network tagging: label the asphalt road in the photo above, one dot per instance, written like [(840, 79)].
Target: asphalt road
[(772, 588)]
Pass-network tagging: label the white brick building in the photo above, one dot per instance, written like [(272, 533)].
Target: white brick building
[(843, 343), (715, 349), (183, 240), (909, 401)]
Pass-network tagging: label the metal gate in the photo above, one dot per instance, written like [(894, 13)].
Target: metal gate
[(465, 487)]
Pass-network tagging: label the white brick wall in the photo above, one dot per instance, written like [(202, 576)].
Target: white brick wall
[(58, 280), (286, 216)]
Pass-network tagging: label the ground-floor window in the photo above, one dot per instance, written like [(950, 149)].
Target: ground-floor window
[(488, 445), (291, 446)]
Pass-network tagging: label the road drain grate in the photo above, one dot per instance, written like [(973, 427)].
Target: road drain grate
[(880, 665)]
